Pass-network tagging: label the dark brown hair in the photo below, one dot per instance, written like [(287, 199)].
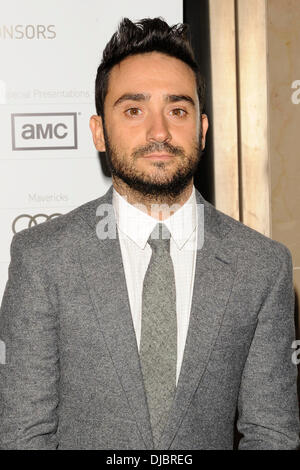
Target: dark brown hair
[(146, 35)]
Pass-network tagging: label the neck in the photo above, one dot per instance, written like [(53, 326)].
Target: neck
[(159, 207)]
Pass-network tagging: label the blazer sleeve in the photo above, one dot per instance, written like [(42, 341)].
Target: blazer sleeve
[(268, 415), (29, 373)]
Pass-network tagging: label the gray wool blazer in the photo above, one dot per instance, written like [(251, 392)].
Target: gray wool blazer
[(72, 377)]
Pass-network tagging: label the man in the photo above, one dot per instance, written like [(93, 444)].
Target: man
[(149, 325)]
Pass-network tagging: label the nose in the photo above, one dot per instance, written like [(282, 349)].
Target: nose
[(158, 130)]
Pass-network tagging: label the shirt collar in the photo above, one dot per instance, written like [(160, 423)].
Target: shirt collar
[(138, 225)]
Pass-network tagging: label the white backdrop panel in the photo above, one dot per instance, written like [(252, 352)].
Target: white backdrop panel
[(49, 53)]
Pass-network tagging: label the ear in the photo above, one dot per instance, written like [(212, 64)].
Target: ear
[(204, 124), (96, 126)]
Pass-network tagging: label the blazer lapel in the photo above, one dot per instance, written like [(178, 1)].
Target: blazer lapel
[(214, 275), (102, 265)]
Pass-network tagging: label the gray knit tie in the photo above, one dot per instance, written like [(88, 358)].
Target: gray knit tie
[(158, 347)]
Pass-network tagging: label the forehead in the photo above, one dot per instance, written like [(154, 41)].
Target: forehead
[(151, 72)]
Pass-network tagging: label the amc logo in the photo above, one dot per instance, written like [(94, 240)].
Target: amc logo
[(44, 131)]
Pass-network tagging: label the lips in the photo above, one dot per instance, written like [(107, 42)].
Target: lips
[(159, 156)]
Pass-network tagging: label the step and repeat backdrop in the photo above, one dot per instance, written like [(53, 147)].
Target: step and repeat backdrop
[(49, 54)]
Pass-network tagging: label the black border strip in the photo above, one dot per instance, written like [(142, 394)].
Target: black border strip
[(196, 15)]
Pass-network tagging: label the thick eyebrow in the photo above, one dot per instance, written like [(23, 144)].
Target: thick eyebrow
[(146, 97), (175, 98), (132, 97)]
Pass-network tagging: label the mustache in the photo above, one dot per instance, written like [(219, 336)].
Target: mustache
[(158, 147)]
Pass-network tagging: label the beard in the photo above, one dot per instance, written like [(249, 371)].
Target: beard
[(159, 184)]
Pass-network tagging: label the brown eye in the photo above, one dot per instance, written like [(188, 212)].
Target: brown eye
[(132, 112), (178, 112)]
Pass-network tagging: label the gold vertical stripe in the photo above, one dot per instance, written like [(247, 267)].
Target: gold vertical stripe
[(253, 114), (224, 105)]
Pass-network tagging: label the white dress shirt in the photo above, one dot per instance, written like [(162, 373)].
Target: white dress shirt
[(134, 228)]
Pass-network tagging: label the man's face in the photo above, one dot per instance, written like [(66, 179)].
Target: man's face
[(152, 124)]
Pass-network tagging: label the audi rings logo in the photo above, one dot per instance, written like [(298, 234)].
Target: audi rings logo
[(26, 221)]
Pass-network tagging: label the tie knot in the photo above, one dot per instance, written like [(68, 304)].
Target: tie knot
[(159, 238)]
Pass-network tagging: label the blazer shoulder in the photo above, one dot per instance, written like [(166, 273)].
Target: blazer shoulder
[(247, 240), (62, 231)]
